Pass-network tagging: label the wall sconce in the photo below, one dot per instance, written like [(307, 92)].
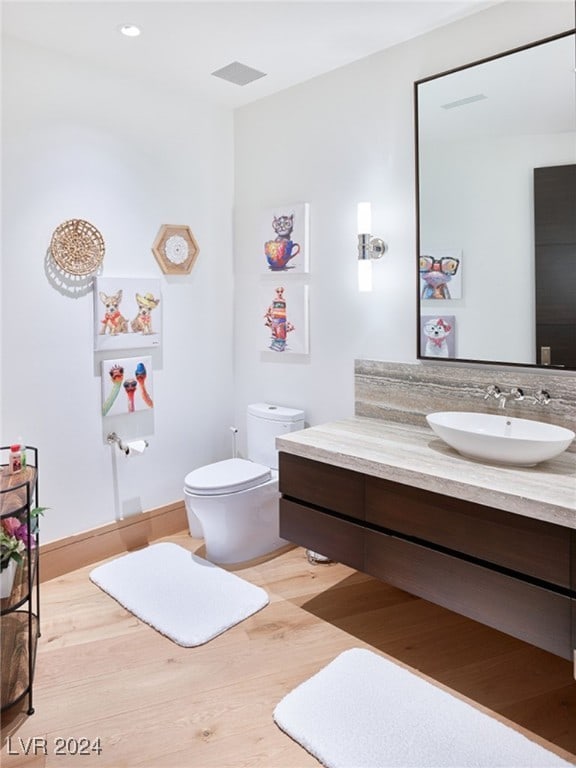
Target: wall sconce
[(368, 247)]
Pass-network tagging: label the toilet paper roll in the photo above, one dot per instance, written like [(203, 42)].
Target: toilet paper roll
[(136, 447)]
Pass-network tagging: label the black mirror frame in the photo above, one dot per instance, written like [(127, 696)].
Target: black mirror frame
[(417, 83)]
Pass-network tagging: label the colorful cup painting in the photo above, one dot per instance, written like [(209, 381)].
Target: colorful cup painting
[(279, 253)]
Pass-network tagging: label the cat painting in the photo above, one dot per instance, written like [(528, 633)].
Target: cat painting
[(286, 238)]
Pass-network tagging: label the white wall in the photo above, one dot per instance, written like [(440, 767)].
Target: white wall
[(79, 143), (333, 141)]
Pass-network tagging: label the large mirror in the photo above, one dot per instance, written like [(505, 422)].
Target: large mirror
[(496, 204)]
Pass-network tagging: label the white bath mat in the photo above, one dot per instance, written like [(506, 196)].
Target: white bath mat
[(362, 711), (178, 593)]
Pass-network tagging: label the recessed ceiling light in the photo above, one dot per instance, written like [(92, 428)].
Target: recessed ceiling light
[(130, 30)]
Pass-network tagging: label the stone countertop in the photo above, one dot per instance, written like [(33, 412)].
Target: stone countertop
[(415, 456)]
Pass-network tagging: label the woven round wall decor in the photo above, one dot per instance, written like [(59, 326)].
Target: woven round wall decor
[(77, 247)]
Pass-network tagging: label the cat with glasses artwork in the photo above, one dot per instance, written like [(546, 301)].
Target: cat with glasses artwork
[(435, 275)]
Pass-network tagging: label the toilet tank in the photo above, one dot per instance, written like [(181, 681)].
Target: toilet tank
[(266, 422)]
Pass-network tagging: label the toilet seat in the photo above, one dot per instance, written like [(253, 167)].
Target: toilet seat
[(229, 476)]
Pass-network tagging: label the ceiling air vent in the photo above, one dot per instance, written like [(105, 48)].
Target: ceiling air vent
[(238, 73)]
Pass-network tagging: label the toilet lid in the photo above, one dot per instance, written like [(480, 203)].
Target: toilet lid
[(227, 476)]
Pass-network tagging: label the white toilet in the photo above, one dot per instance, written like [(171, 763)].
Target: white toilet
[(233, 504)]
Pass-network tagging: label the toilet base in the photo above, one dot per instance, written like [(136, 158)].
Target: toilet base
[(194, 525), (238, 526), (219, 558)]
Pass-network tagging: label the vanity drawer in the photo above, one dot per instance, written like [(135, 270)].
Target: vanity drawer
[(323, 485), (534, 614), (532, 547), (573, 604), (337, 539)]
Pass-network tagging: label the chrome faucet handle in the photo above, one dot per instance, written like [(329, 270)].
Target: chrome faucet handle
[(492, 391), (542, 397)]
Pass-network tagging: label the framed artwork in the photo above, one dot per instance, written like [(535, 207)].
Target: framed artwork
[(284, 312), (175, 249), (284, 239), (441, 275), (126, 385), (127, 313), (438, 335)]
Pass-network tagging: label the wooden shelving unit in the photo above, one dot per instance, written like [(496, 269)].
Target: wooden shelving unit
[(20, 612)]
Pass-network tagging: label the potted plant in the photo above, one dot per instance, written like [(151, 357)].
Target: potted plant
[(14, 540)]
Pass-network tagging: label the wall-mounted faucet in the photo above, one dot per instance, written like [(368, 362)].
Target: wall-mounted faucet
[(493, 391), (542, 397)]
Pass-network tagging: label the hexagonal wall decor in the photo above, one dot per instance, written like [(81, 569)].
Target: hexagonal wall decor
[(175, 249)]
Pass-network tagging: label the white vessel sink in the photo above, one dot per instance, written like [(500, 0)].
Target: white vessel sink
[(500, 439)]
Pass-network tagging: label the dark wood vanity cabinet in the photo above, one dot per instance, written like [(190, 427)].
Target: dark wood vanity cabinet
[(511, 572)]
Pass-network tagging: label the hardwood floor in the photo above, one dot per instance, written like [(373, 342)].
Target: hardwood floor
[(102, 674)]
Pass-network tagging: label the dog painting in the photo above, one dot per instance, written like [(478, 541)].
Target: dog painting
[(113, 321), (437, 337), (142, 323), (127, 313)]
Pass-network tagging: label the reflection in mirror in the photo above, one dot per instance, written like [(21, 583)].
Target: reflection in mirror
[(496, 201)]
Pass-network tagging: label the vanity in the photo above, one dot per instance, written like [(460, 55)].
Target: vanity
[(494, 543)]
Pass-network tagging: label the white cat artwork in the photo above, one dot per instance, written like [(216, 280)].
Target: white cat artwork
[(437, 333)]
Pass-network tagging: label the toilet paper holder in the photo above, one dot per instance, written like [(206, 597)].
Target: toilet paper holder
[(125, 447)]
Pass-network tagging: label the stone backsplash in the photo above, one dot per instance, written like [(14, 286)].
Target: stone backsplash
[(407, 392)]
